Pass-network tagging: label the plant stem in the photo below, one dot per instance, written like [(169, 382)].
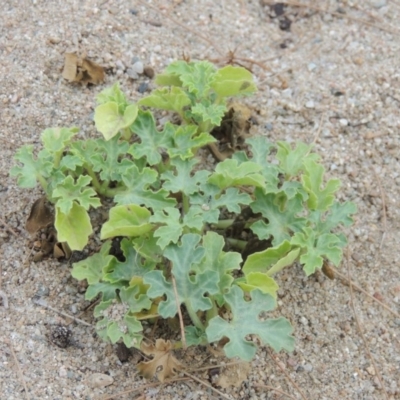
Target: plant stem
[(239, 244), (194, 317), (185, 203), (42, 182), (223, 223)]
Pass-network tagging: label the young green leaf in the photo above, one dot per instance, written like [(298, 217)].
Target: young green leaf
[(109, 121), (233, 81), (259, 280), (216, 259), (186, 141), (211, 113), (134, 298), (124, 271), (229, 173), (174, 224), (129, 330), (138, 192), (171, 99), (315, 246), (56, 139), (32, 169), (151, 140), (68, 192), (192, 288), (73, 227), (281, 222), (180, 178), (126, 220), (92, 267), (246, 321), (291, 160), (113, 94)]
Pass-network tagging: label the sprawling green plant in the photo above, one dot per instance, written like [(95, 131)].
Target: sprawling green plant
[(174, 216)]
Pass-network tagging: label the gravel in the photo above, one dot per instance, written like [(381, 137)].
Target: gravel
[(333, 78)]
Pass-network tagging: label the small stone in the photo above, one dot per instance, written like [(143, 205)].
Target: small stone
[(143, 87), (138, 67), (311, 67), (371, 370), (98, 380), (132, 74), (120, 65), (269, 127), (343, 122), (310, 104), (308, 367), (62, 373), (378, 3), (149, 72)]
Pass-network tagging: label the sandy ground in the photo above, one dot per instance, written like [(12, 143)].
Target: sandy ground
[(333, 77)]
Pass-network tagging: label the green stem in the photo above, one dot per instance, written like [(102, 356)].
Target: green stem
[(185, 203), (223, 223), (213, 312), (194, 317), (239, 244), (42, 182)]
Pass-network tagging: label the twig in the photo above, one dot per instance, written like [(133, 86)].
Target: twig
[(206, 384), (375, 135), (11, 230), (39, 303), (383, 209), (378, 374), (19, 371), (178, 306), (143, 387), (216, 366), (286, 374), (275, 390), (360, 289)]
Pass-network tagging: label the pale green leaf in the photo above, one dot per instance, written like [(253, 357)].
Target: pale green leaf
[(73, 227), (233, 81), (126, 220), (230, 173), (109, 121), (319, 199), (192, 288), (129, 329), (70, 191), (171, 99), (315, 247), (92, 267), (246, 321), (261, 281), (56, 139), (151, 140), (212, 113)]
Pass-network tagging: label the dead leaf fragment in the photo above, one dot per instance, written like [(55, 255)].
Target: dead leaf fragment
[(98, 380), (163, 365), (80, 69), (233, 375), (40, 216)]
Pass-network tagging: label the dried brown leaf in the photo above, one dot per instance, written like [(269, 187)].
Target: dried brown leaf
[(61, 250), (80, 69), (233, 375), (163, 365), (40, 216)]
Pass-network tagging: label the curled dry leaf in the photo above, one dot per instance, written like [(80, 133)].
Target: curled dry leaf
[(233, 375), (80, 69), (163, 364), (40, 216)]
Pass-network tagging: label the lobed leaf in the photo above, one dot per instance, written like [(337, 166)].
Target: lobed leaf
[(69, 192), (261, 281), (126, 220), (151, 140), (171, 99), (282, 219), (319, 199), (212, 113), (192, 288), (230, 173), (246, 321), (55, 140)]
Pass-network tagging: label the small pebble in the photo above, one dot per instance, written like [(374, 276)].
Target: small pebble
[(308, 367), (149, 72), (269, 127), (310, 104), (311, 67), (132, 74), (343, 122), (143, 87), (138, 67), (378, 3)]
